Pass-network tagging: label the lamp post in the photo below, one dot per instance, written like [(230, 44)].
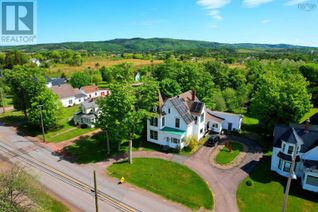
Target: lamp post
[(292, 174), (42, 125)]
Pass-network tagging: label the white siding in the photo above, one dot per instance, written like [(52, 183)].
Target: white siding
[(229, 118)]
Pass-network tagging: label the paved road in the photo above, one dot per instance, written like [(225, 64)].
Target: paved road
[(224, 183), (73, 182)]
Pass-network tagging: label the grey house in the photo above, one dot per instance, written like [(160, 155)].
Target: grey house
[(87, 115)]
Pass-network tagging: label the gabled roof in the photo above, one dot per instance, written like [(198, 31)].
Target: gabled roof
[(89, 104), (285, 133), (89, 88), (55, 81), (64, 91), (210, 116)]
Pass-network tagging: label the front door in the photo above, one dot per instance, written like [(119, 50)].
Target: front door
[(229, 126)]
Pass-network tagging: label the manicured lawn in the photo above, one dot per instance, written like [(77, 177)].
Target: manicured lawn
[(64, 131), (250, 123), (308, 115), (168, 179), (225, 156), (267, 192)]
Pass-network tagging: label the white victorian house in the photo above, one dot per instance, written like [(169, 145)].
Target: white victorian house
[(285, 143), (179, 118)]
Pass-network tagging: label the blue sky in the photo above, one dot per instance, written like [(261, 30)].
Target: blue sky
[(229, 21)]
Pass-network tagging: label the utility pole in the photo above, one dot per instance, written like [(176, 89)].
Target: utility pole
[(42, 125), (2, 100), (130, 152), (289, 182), (299, 143), (95, 190)]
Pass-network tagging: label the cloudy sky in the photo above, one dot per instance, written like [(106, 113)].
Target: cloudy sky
[(229, 21)]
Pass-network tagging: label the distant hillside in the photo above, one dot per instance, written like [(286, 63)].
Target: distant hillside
[(150, 45)]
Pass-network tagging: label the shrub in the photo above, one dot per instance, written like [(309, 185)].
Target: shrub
[(192, 142)]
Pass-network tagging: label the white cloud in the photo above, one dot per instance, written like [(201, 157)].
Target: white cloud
[(294, 2), (255, 3), (213, 6), (266, 21), (215, 14)]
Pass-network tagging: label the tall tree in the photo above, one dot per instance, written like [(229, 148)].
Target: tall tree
[(25, 83), (51, 108), (281, 97), (80, 79)]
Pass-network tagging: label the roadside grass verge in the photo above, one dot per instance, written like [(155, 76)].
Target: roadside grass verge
[(225, 156), (263, 190), (36, 196), (65, 128), (168, 179)]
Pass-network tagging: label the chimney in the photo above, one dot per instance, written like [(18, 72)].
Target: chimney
[(193, 95)]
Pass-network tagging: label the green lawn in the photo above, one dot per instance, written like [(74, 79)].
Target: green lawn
[(225, 156), (267, 192), (46, 202), (168, 179), (64, 131), (309, 114), (250, 123)]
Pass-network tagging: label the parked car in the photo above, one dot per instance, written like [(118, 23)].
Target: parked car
[(213, 140)]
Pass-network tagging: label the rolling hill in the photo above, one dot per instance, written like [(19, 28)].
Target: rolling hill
[(150, 45)]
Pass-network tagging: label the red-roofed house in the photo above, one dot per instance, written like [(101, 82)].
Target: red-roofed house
[(92, 91)]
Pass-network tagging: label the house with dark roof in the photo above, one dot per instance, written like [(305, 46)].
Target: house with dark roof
[(300, 141), (179, 118), (88, 114), (54, 81)]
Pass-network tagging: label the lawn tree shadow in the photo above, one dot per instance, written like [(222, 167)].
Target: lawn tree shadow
[(91, 150), (264, 175)]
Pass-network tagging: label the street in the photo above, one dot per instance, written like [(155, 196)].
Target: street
[(73, 183)]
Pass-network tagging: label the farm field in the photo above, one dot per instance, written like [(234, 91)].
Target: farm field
[(58, 69)]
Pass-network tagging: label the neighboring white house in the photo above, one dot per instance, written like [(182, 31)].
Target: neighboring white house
[(285, 140), (36, 61), (88, 114), (231, 121), (179, 118), (92, 91), (68, 95)]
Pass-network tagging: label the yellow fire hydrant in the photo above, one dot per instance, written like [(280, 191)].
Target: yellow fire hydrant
[(122, 180)]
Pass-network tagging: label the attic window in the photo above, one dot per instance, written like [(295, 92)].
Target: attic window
[(169, 110), (290, 149)]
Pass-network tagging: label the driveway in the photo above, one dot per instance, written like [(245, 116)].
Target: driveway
[(224, 183)]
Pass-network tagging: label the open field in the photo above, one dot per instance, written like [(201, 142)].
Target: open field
[(225, 156), (168, 179), (266, 192), (58, 69)]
